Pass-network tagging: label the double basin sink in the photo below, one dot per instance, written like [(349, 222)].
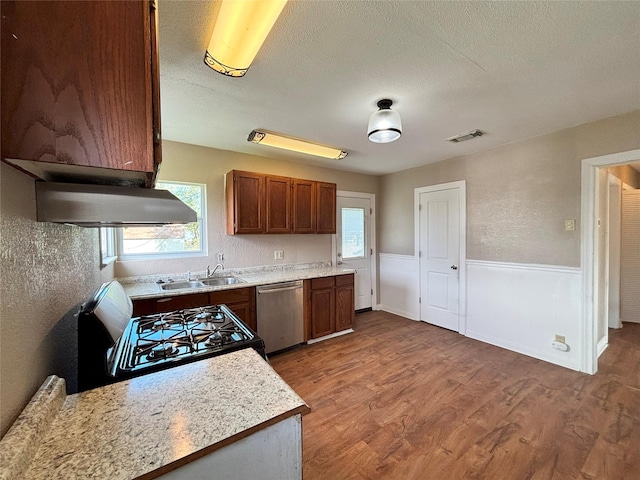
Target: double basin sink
[(203, 283)]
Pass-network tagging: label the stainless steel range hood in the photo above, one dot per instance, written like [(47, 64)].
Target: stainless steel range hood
[(108, 206)]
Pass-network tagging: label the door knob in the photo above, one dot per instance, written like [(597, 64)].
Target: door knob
[(454, 267)]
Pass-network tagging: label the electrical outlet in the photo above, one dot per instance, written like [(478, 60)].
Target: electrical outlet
[(278, 254), (569, 225), (560, 338), (220, 257)]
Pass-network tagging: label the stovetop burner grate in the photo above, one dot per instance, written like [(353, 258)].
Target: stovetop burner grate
[(181, 335)]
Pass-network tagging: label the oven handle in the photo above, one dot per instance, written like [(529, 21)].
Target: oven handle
[(162, 300)]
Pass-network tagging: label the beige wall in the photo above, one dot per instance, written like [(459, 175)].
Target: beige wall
[(518, 195), (45, 270), (191, 163)]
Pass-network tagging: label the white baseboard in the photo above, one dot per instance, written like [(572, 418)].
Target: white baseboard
[(331, 335), (602, 345), (398, 311), (524, 349)]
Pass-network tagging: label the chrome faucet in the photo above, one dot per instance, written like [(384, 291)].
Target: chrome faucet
[(210, 273)]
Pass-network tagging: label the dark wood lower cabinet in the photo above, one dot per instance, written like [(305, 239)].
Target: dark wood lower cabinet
[(148, 306), (241, 301), (331, 305), (345, 302)]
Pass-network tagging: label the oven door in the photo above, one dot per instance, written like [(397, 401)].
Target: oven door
[(101, 322)]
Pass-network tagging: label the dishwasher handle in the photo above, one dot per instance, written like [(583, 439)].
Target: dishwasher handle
[(280, 287)]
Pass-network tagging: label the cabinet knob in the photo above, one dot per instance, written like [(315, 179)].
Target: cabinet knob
[(454, 267)]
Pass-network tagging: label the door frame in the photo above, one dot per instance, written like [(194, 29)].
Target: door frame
[(461, 185), (589, 249), (373, 244)]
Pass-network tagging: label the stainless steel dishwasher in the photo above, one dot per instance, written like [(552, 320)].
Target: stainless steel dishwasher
[(280, 315)]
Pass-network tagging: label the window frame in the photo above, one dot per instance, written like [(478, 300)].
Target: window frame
[(202, 228), (107, 239)]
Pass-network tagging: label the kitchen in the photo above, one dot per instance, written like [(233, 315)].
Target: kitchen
[(54, 267)]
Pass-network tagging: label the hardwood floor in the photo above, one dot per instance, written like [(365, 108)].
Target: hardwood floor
[(400, 399)]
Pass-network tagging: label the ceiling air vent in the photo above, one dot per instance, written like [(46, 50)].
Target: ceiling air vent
[(464, 136)]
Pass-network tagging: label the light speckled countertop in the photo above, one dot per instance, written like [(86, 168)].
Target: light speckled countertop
[(132, 428), (145, 287)]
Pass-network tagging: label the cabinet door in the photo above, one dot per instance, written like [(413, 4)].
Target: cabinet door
[(345, 306), (323, 314), (278, 204), (303, 208), (76, 83), (168, 304), (326, 206), (245, 202), (244, 313), (242, 301)]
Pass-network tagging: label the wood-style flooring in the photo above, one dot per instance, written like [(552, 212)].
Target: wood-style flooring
[(400, 399)]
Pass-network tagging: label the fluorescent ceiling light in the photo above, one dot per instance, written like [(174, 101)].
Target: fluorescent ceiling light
[(264, 137), (239, 32)]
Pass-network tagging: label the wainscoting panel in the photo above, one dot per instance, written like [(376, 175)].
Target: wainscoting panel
[(399, 285), (522, 307)]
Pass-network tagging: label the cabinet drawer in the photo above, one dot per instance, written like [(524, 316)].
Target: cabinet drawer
[(325, 282), (344, 279), (168, 304), (234, 295)]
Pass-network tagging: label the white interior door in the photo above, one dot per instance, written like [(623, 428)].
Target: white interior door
[(353, 245), (439, 255)]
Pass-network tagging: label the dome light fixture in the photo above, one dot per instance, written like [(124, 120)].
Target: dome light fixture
[(384, 125)]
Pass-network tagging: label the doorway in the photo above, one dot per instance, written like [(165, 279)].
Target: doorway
[(440, 241), (594, 272), (354, 243)]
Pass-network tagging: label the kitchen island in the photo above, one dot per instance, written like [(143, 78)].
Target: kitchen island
[(191, 418)]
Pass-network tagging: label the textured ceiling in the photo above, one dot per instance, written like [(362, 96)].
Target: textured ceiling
[(512, 69)]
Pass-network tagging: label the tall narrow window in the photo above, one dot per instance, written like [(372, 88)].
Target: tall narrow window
[(353, 237), (169, 240)]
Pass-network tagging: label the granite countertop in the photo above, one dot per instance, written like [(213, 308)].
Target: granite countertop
[(146, 287), (167, 418)]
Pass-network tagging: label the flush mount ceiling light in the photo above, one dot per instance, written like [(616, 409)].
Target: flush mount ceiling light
[(264, 137), (465, 136), (384, 125), (239, 32)]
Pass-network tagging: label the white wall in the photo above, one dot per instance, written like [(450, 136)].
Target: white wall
[(399, 285)]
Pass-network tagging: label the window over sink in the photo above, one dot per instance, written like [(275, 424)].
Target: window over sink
[(168, 240)]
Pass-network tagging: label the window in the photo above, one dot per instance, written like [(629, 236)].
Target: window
[(353, 233), (169, 240)]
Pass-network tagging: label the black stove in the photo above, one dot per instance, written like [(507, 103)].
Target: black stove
[(154, 341), (112, 346)]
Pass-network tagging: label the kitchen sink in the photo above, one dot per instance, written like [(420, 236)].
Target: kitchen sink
[(205, 282), (215, 281), (180, 285)]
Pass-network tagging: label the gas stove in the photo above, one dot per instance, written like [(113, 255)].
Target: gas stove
[(153, 341), (112, 346)]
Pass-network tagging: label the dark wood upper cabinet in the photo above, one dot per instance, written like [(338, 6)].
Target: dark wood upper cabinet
[(278, 204), (259, 203), (326, 207), (80, 87), (245, 202), (303, 206)]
